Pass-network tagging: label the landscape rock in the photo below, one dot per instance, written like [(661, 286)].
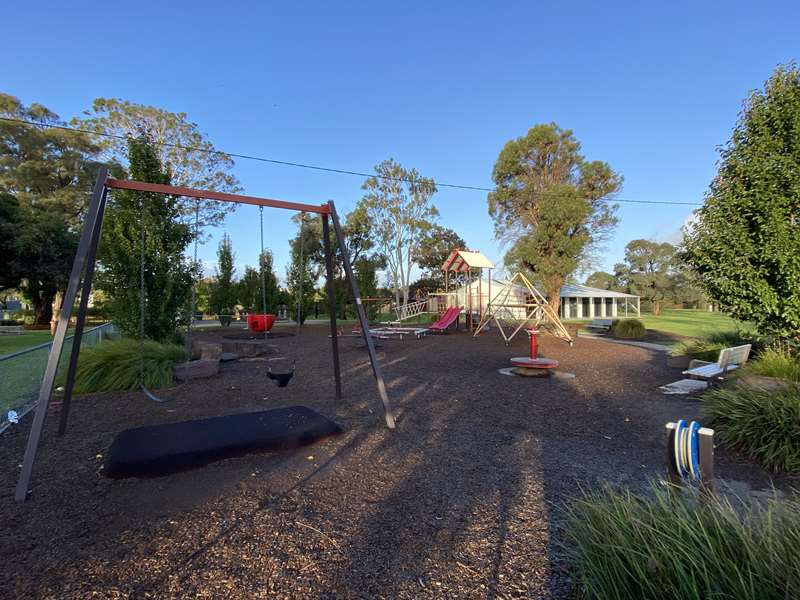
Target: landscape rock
[(196, 369)]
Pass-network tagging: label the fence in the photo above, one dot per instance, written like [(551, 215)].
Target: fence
[(21, 373)]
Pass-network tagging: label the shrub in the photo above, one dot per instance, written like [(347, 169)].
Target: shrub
[(667, 546), (776, 362), (11, 322), (763, 424), (629, 329), (708, 347), (114, 365)]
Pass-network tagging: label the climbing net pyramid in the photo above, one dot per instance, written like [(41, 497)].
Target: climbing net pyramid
[(511, 314)]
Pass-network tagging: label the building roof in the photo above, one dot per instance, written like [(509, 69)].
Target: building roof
[(574, 290), (464, 260)]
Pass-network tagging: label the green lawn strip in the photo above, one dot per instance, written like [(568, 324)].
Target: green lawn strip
[(14, 343), (689, 322)]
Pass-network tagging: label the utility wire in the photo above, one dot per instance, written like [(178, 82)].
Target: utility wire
[(307, 166)]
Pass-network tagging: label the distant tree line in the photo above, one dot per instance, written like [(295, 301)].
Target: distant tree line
[(655, 272)]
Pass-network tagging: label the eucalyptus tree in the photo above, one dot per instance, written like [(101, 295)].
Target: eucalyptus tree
[(550, 205), (400, 212), (182, 149)]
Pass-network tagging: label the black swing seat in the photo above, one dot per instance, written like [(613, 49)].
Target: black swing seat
[(163, 449)]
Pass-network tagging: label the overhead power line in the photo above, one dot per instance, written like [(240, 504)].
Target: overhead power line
[(287, 163)]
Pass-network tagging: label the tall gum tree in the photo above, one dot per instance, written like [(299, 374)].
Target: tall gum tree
[(550, 205), (183, 150), (398, 204)]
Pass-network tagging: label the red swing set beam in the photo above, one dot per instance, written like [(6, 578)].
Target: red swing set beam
[(83, 271), (176, 190)]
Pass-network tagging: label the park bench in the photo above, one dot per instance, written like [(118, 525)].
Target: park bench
[(11, 330), (729, 359), (599, 325)]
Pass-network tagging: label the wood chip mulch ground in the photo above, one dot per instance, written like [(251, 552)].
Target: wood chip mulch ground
[(463, 500)]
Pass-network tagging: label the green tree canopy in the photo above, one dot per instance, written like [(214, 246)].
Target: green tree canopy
[(251, 297), (183, 150), (434, 248), (550, 205), (168, 276), (48, 174), (53, 169), (745, 245), (222, 299), (648, 271), (45, 251), (10, 225), (303, 271), (603, 281)]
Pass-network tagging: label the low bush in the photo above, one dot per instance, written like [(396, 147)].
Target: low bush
[(11, 322), (776, 362), (114, 365), (629, 329), (763, 424), (669, 545)]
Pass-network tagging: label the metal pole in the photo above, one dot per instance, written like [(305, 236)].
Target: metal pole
[(193, 300), (362, 319), (302, 271), (262, 272), (705, 443), (86, 290), (90, 229), (331, 304)]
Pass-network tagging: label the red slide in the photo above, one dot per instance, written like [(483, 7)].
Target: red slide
[(448, 318)]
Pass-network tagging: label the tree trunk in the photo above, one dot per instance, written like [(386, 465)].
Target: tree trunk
[(554, 299), (43, 308), (656, 307)]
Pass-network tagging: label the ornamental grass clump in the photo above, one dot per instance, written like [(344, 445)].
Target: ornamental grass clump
[(629, 329), (776, 362), (709, 346), (114, 365), (764, 424), (669, 545)]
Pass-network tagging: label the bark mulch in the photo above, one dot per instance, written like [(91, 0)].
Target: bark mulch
[(462, 500)]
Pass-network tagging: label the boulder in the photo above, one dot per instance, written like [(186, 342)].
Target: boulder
[(205, 350), (248, 348), (196, 369), (761, 382)]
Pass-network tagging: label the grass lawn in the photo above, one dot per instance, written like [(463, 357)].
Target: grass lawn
[(689, 322), (14, 343)]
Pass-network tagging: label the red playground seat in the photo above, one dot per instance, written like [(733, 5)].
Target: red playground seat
[(260, 323)]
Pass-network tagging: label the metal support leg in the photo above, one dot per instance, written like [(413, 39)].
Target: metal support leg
[(362, 319), (46, 389), (337, 374), (705, 446), (77, 337)]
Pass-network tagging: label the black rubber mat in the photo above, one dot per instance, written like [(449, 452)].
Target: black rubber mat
[(163, 449)]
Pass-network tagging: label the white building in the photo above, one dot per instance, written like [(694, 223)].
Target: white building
[(584, 302), (577, 301)]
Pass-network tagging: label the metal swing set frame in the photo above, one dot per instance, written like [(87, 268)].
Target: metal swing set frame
[(83, 271)]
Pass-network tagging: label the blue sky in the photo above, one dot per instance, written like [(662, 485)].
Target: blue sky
[(651, 88)]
